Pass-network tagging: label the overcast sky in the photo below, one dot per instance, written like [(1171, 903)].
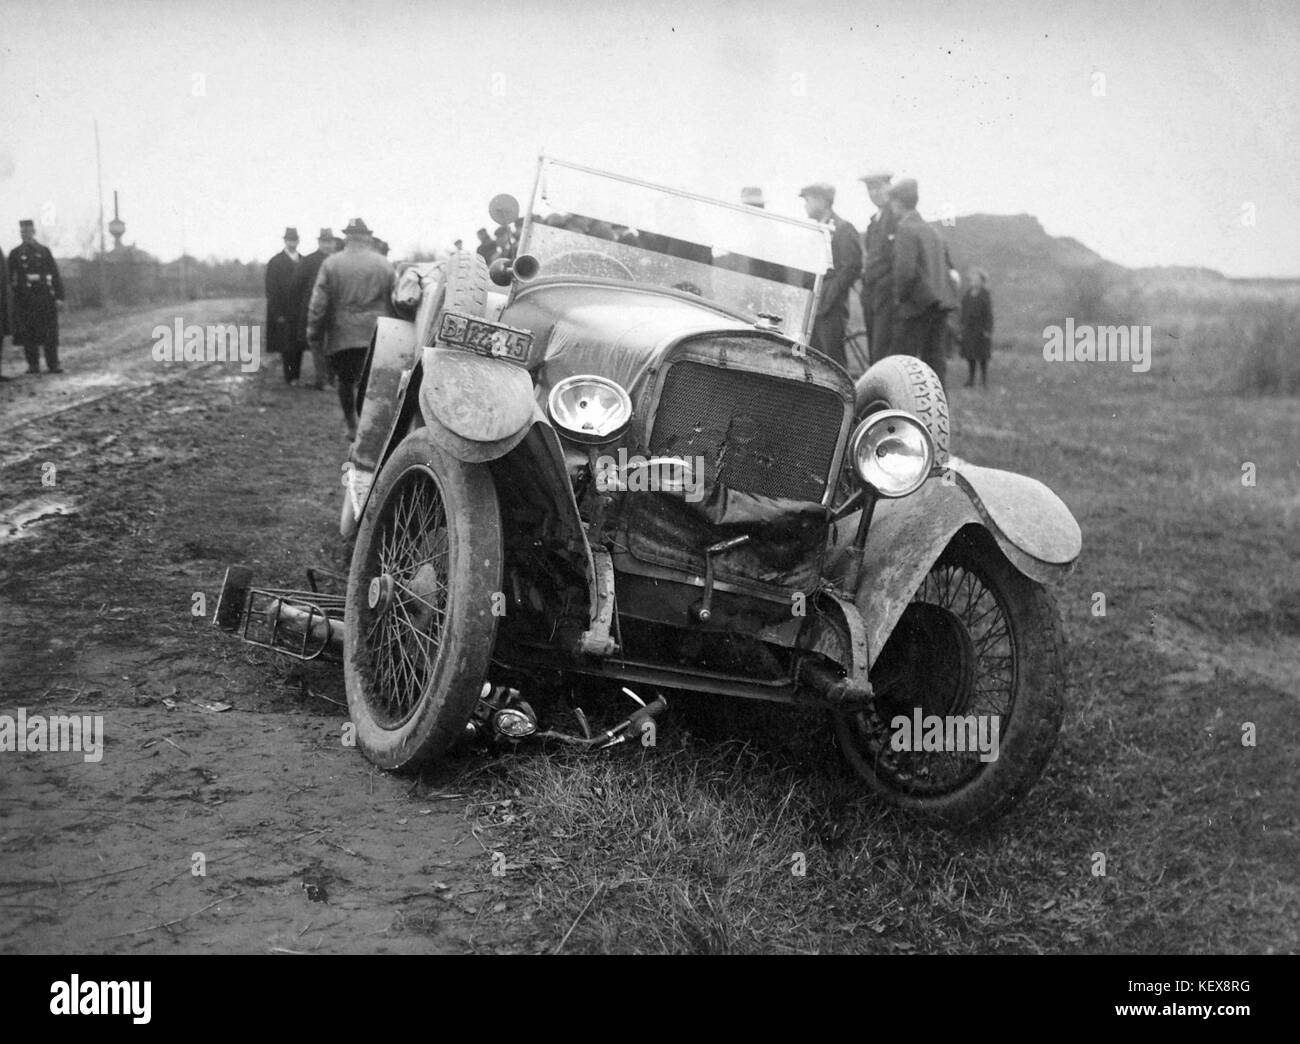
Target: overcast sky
[(1165, 133)]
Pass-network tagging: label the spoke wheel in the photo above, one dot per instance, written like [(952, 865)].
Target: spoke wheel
[(419, 627), (978, 642)]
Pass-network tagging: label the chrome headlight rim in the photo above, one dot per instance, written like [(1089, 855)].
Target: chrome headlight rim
[(610, 430), (870, 423)]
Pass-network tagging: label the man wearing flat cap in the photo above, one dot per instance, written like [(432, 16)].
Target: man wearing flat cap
[(846, 264), (279, 294), (36, 294), (878, 266), (922, 288), (353, 289), (304, 280)]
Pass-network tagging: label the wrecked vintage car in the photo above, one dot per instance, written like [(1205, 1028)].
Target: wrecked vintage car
[(613, 457)]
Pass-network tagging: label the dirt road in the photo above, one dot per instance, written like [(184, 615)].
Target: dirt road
[(126, 488)]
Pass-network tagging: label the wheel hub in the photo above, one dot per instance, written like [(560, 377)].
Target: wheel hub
[(380, 595), (931, 661)]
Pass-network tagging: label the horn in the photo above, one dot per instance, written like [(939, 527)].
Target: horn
[(526, 267)]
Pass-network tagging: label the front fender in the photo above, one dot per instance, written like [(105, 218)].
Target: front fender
[(476, 408), (1030, 524)]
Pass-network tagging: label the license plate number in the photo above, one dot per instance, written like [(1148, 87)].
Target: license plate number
[(495, 340)]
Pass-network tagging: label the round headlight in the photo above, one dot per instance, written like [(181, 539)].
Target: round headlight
[(892, 452), (590, 408)]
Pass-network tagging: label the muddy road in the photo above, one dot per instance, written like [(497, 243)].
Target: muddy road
[(224, 814)]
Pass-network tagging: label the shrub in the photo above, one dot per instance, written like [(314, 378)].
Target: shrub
[(1268, 356)]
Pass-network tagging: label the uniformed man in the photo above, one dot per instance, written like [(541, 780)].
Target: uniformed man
[(4, 312), (878, 266), (846, 265), (279, 296), (304, 281), (353, 289), (36, 292), (923, 289)]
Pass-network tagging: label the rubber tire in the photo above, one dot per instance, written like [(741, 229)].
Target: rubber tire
[(903, 382), (475, 570), (463, 288), (1026, 745)]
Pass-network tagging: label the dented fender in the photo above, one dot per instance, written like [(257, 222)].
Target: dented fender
[(477, 408), (1030, 524)]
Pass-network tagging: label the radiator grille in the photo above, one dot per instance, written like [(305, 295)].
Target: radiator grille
[(756, 433)]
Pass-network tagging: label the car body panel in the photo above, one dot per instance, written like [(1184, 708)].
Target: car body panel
[(908, 535)]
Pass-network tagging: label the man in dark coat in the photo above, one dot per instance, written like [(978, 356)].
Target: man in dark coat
[(280, 301), (36, 294), (878, 267), (353, 290), (976, 326), (4, 313), (304, 279), (846, 265), (922, 287)]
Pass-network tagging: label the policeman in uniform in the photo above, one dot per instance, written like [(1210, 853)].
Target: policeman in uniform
[(878, 266), (846, 264), (36, 292), (4, 312)]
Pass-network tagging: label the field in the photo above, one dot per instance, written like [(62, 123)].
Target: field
[(1166, 821)]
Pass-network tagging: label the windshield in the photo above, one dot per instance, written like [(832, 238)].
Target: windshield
[(584, 222)]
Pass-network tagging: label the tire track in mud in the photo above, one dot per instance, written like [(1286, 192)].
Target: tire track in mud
[(170, 480)]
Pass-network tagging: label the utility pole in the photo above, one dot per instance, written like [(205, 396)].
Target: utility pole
[(99, 169)]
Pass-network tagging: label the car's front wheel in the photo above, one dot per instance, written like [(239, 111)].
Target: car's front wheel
[(420, 626), (967, 698)]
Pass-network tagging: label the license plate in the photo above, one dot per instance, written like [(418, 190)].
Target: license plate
[(482, 337)]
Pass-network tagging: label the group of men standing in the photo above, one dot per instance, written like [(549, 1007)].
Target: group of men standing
[(31, 294), (903, 264), (328, 302)]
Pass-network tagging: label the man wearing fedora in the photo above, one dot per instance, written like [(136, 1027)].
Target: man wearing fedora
[(304, 280), (279, 295), (878, 266), (846, 264), (352, 290), (36, 295), (923, 289)]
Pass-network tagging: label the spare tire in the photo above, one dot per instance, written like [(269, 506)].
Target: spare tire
[(463, 287), (903, 382)]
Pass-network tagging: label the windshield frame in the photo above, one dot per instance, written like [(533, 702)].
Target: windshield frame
[(804, 323)]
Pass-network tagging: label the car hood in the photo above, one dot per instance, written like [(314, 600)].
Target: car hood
[(619, 332)]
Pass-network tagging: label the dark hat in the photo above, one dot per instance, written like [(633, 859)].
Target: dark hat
[(752, 196), (27, 223), (326, 233), (905, 192), (356, 227), (819, 188), (290, 233), (877, 175)]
